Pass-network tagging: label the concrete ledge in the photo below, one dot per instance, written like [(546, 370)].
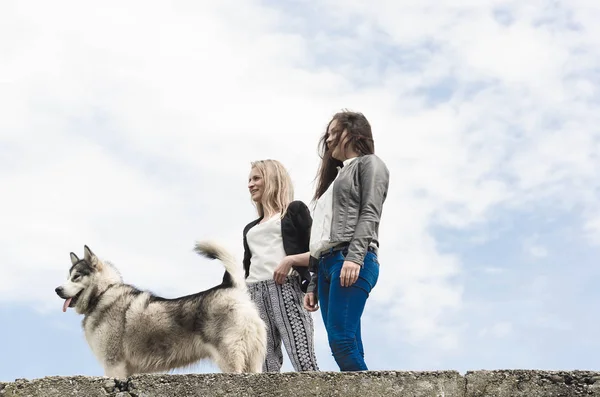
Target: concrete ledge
[(523, 383), (363, 384)]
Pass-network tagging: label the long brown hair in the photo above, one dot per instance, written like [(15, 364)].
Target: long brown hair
[(359, 137), (278, 190)]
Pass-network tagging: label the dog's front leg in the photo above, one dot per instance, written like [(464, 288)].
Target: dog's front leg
[(118, 371)]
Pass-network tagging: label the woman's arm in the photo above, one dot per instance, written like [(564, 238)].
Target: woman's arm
[(302, 223), (283, 269), (299, 259), (311, 299), (374, 181)]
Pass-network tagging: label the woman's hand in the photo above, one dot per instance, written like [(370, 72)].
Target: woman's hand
[(283, 269), (310, 302), (349, 273)]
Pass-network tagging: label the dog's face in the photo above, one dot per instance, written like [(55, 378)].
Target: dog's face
[(81, 276)]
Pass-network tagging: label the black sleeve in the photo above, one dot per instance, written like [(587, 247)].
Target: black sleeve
[(247, 253), (302, 223), (313, 267)]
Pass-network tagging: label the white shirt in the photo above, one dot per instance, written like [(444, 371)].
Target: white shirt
[(266, 244), (320, 233)]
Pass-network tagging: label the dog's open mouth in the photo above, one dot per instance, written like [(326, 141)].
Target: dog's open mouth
[(72, 301)]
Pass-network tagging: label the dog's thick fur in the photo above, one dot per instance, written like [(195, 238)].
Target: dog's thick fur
[(132, 331)]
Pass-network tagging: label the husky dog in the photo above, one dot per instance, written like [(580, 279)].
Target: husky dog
[(132, 331)]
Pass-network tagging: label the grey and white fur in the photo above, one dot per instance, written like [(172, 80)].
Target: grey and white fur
[(132, 331)]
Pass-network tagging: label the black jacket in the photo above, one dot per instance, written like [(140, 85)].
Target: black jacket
[(295, 230)]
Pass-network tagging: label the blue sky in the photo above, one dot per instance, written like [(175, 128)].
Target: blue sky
[(131, 128)]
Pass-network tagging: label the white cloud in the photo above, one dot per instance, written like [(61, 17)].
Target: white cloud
[(493, 270), (533, 248), (592, 229), (497, 330), (130, 127), (538, 251)]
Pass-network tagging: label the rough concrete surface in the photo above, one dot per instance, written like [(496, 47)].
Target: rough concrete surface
[(511, 383), (527, 383)]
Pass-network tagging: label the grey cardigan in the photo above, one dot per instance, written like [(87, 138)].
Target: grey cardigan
[(358, 196)]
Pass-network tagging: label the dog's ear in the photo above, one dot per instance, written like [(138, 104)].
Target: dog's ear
[(89, 256), (74, 258), (87, 253)]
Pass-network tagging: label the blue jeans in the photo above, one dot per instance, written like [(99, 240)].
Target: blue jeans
[(342, 307)]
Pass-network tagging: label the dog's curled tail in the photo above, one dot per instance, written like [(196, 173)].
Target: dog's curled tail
[(213, 250)]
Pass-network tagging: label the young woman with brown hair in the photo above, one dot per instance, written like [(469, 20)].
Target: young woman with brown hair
[(352, 186)]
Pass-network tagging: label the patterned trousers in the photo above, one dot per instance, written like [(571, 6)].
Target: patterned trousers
[(282, 310)]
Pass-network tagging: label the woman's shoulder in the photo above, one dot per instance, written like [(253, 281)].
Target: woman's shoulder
[(373, 161), (370, 158), (251, 224), (297, 209), (296, 205)]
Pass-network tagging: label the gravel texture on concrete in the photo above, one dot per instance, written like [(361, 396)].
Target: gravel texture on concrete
[(505, 383)]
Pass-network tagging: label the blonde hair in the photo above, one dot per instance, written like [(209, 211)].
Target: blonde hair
[(278, 190)]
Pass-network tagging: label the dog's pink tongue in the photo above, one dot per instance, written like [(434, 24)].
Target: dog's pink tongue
[(66, 304)]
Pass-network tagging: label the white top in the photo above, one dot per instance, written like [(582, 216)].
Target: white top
[(266, 244), (320, 233)]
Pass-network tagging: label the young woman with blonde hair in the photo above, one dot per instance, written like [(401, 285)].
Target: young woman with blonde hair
[(276, 264)]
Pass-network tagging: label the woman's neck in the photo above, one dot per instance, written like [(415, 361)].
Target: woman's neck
[(349, 154), (267, 215)]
